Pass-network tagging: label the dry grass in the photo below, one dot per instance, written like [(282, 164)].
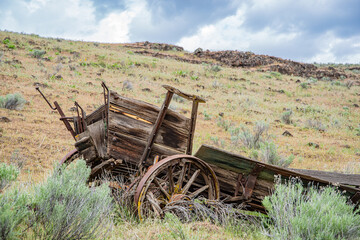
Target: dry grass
[(42, 139)]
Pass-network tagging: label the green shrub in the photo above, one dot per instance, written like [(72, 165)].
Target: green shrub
[(207, 116), (36, 53), (304, 85), (180, 73), (215, 68), (298, 213), (13, 212), (277, 75), (315, 124), (268, 154), (225, 124), (8, 43), (8, 174), (66, 208), (12, 101), (248, 138), (286, 117)]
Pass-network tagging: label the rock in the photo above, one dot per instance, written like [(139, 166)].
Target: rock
[(127, 85), (198, 51), (221, 114), (75, 54), (287, 134), (298, 81), (315, 145), (146, 90), (72, 109), (346, 146), (72, 68), (356, 105), (37, 84), (59, 77), (4, 119)]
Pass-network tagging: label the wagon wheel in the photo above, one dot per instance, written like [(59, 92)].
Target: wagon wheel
[(179, 177), (69, 157)]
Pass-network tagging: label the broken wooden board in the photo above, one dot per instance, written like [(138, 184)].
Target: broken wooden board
[(231, 167), (336, 178)]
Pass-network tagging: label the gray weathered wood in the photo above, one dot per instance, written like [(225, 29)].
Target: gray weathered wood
[(227, 166), (97, 134), (341, 178), (147, 111), (168, 136), (130, 149), (96, 115)]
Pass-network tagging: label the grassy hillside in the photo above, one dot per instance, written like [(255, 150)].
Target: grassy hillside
[(325, 111)]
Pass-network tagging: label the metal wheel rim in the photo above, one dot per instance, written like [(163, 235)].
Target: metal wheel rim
[(205, 172)]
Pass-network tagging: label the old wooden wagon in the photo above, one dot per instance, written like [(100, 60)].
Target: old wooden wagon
[(150, 149)]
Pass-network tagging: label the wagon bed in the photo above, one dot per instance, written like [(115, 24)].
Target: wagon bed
[(150, 148)]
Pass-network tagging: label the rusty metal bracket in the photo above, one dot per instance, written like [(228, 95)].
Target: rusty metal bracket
[(240, 183), (83, 116), (355, 199), (38, 89), (251, 181), (106, 94), (62, 115)]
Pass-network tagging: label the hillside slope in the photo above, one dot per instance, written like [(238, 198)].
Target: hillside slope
[(240, 89)]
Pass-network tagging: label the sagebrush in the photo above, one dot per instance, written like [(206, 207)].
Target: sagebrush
[(12, 101), (296, 212), (65, 207)]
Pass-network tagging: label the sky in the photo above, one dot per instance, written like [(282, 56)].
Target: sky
[(322, 31)]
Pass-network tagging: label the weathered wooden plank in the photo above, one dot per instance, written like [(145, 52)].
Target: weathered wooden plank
[(83, 143), (240, 164), (341, 178), (168, 136), (96, 115), (97, 134), (130, 149), (147, 111), (228, 181)]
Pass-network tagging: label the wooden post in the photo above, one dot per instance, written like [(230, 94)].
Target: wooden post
[(156, 128), (192, 126)]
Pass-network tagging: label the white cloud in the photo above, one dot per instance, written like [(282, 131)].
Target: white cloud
[(278, 28), (229, 33), (71, 19), (116, 26)]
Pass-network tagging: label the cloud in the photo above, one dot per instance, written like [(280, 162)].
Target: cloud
[(71, 19), (303, 30)]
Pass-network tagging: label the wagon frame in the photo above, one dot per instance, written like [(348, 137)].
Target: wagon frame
[(150, 149)]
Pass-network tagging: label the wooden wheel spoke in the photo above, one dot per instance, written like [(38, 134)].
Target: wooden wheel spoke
[(163, 191), (181, 176), (171, 179), (178, 177), (191, 181), (197, 192), (154, 204)]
